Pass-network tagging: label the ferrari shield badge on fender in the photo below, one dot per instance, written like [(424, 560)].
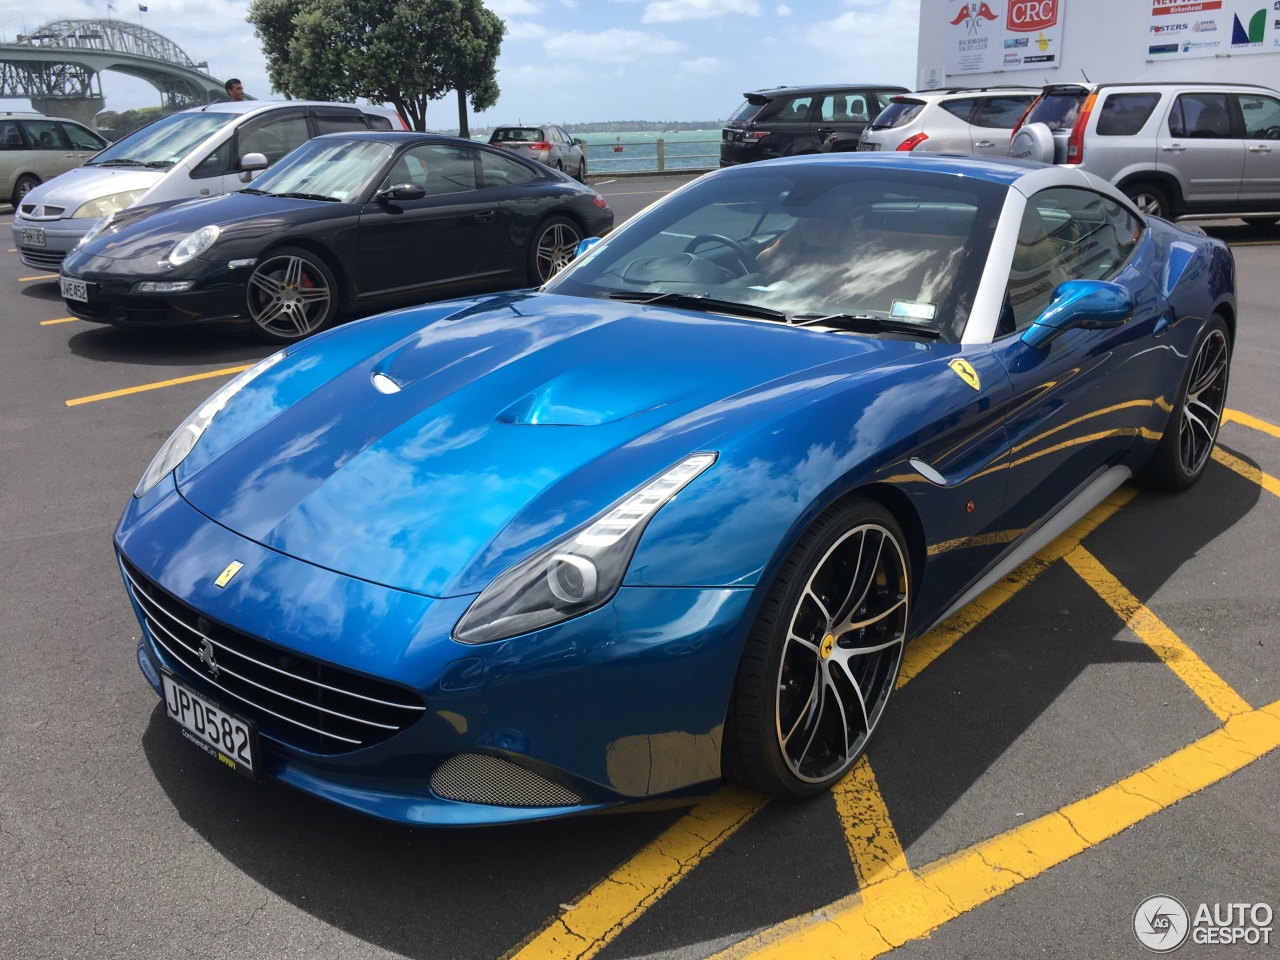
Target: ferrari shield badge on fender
[(964, 370), (225, 576)]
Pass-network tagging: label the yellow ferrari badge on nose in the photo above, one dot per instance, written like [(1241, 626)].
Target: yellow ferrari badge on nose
[(234, 567), (964, 370)]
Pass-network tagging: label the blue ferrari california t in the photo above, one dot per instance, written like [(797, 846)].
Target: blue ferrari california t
[(674, 515)]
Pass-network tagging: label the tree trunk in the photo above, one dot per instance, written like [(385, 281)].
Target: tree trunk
[(463, 129)]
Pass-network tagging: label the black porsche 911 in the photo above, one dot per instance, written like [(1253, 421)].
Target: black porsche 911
[(350, 222)]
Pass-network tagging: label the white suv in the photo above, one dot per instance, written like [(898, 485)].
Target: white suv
[(958, 120), (1175, 149)]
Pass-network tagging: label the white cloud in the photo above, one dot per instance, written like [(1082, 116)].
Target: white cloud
[(876, 32), (513, 8), (525, 30), (702, 65), (609, 46), (671, 11), (783, 10)]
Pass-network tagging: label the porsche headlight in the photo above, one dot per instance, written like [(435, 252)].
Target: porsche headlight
[(578, 572), (105, 206), (194, 244), (183, 439)]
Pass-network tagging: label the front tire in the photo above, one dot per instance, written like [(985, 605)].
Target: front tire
[(22, 186), (582, 171), (823, 655), (291, 294), (1188, 439), (552, 247)]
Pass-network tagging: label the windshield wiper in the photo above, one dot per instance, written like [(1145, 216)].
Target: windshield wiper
[(160, 163), (261, 193), (304, 196), (120, 162), (862, 323), (693, 301)]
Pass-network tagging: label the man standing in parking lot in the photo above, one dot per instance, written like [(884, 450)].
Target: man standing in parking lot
[(235, 90)]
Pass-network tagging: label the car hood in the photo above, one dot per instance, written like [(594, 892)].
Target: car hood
[(145, 233), (497, 426), (82, 184)]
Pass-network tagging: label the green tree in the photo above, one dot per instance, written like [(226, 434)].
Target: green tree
[(403, 52)]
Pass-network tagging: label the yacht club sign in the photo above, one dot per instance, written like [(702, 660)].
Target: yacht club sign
[(991, 36)]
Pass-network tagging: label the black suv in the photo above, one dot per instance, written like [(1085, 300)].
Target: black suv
[(787, 121)]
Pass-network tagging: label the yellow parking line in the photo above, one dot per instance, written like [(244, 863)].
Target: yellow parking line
[(226, 371), (608, 909), (874, 846), (49, 323), (910, 906), (12, 250), (940, 639), (1180, 658), (1237, 416), (1254, 243), (1247, 470), (43, 276)]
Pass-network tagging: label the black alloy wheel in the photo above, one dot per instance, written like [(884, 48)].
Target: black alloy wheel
[(291, 294), (552, 247), (823, 655), (1192, 430)]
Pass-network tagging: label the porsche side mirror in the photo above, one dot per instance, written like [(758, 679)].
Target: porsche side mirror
[(400, 191), (250, 164), (585, 245), (1089, 304)]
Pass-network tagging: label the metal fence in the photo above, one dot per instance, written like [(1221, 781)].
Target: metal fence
[(650, 156)]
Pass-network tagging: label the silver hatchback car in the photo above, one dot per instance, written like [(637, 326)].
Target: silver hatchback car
[(546, 143), (958, 120), (1175, 149)]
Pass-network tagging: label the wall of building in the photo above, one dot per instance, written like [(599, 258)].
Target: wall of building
[(1104, 41)]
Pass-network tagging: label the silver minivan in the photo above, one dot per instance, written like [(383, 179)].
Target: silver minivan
[(35, 148), (1175, 149), (200, 152)]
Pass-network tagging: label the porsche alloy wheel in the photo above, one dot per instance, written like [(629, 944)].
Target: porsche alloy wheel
[(291, 295), (823, 655), (1192, 430), (555, 244)]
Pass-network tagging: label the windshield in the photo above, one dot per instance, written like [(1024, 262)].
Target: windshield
[(167, 141), (808, 242), (327, 169)]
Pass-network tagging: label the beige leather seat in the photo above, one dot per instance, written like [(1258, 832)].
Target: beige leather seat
[(1039, 266)]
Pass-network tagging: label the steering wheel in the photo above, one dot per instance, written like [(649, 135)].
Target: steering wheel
[(1269, 133), (746, 259)]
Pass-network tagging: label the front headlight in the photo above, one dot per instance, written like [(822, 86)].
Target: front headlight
[(181, 442), (105, 206), (578, 572), (194, 244)]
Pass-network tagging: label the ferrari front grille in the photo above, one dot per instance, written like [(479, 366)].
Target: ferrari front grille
[(479, 778), (297, 700)]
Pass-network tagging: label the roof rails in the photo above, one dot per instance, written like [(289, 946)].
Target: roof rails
[(1001, 86)]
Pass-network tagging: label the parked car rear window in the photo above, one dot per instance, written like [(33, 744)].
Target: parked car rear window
[(1057, 109), (745, 112), (516, 135), (1001, 113), (959, 108), (1124, 114), (897, 113)]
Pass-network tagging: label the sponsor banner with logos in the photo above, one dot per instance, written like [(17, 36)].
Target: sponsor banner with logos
[(1178, 29), (989, 36)]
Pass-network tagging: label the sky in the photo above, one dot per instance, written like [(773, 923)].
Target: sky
[(574, 61)]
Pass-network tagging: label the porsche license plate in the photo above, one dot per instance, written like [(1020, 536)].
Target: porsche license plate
[(33, 236), (216, 731), (74, 289)]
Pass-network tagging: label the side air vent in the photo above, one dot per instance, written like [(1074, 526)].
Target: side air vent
[(476, 778)]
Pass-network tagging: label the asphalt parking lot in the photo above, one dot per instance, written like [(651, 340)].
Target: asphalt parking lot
[(1100, 728)]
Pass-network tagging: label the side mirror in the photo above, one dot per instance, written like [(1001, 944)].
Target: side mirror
[(250, 163), (585, 245), (1090, 304), (578, 141), (400, 191)]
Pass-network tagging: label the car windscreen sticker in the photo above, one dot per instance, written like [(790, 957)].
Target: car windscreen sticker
[(913, 310)]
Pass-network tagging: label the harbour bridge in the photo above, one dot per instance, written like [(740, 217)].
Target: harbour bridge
[(57, 67)]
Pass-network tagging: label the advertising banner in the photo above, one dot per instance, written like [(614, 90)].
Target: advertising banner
[(989, 36), (1179, 29)]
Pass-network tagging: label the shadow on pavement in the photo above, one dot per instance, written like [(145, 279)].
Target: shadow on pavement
[(167, 347)]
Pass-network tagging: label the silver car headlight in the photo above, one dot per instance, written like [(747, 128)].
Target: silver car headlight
[(578, 572), (105, 206), (194, 244), (181, 442)]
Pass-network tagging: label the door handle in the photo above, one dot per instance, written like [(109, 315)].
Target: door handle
[(1173, 148), (1259, 148), (985, 143), (486, 216), (823, 131)]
